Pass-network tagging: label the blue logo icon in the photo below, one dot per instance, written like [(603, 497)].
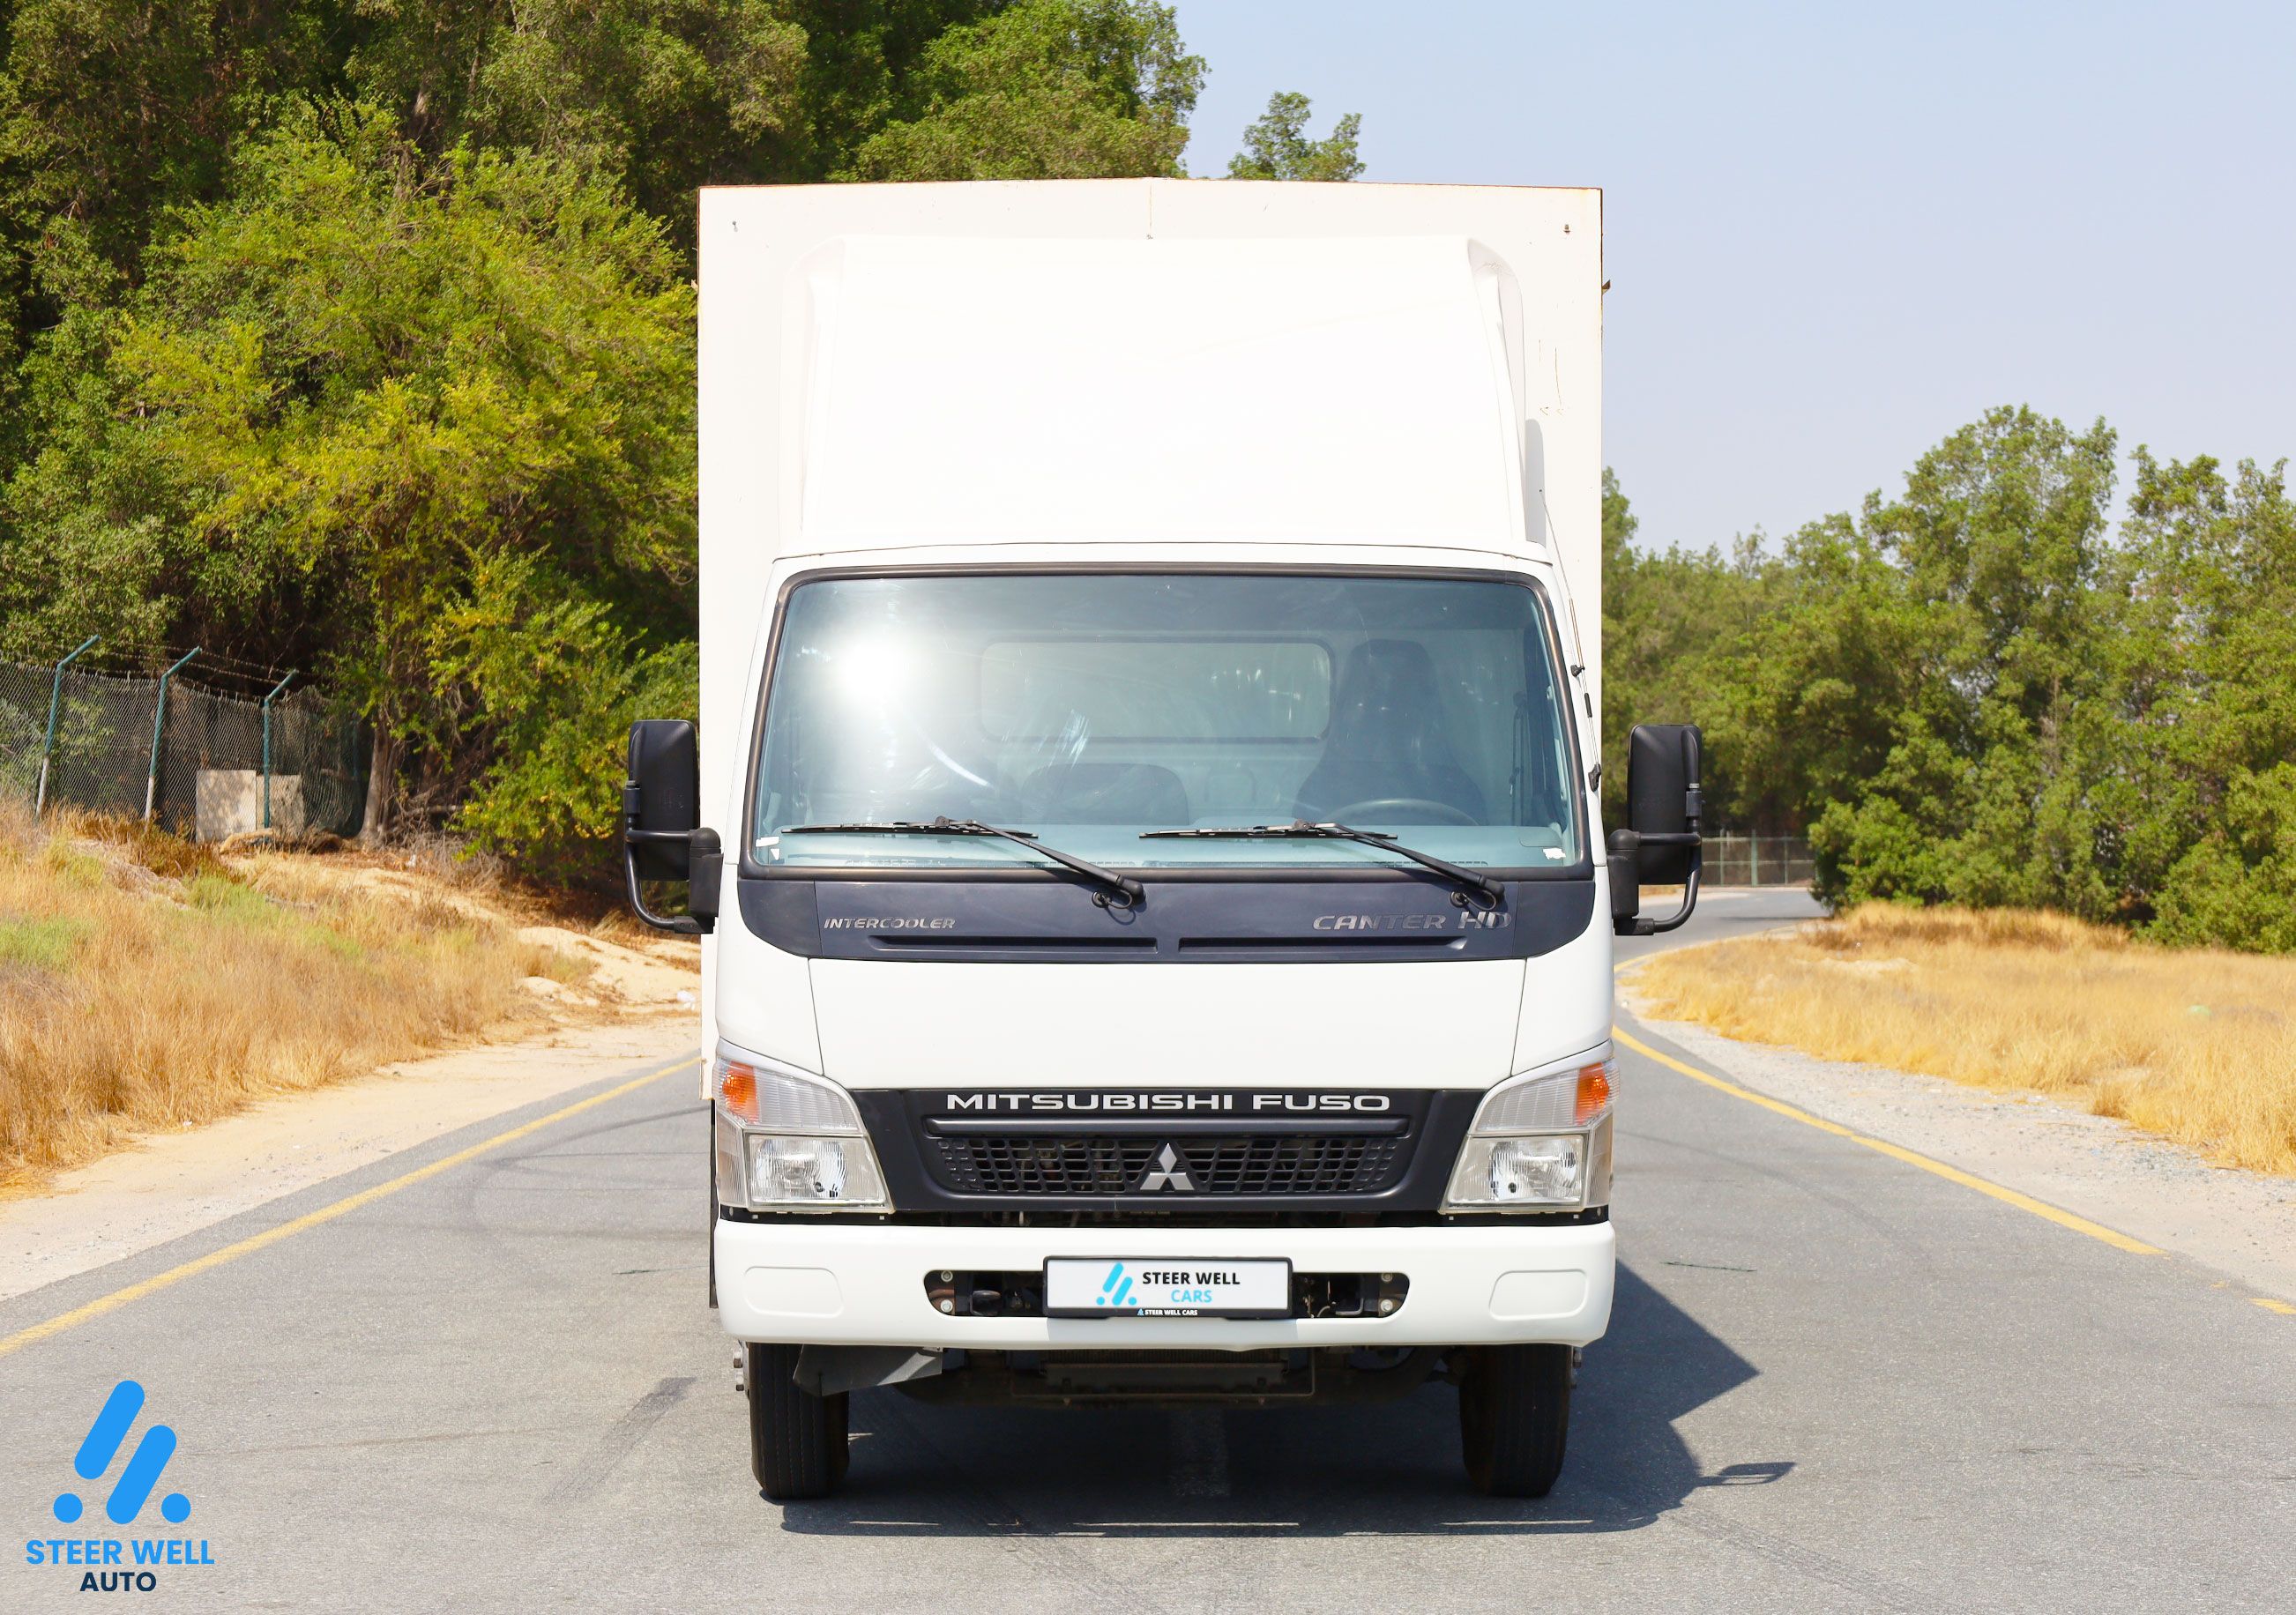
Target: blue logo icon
[(1114, 1288), (104, 1439)]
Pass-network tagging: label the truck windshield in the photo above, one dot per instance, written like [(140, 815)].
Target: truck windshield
[(1089, 708)]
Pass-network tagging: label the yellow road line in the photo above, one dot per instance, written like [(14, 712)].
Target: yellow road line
[(2023, 1202), (2269, 1305), (136, 1291)]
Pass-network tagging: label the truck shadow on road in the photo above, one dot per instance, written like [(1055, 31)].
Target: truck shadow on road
[(1383, 1469)]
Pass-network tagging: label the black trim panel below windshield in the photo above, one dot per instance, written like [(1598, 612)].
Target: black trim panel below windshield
[(1247, 920)]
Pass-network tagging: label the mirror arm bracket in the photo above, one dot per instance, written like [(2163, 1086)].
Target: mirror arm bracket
[(705, 865), (1650, 928), (1623, 847), (681, 924)]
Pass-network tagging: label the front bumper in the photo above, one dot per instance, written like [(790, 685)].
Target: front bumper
[(798, 1282)]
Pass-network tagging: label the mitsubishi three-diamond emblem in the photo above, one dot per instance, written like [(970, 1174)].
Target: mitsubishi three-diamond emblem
[(1169, 1172)]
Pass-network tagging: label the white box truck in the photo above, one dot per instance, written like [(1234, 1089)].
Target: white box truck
[(1144, 818)]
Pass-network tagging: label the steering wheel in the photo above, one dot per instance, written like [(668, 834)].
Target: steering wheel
[(1378, 808)]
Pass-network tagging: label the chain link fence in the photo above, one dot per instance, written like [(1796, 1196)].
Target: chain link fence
[(194, 762), (1757, 860)]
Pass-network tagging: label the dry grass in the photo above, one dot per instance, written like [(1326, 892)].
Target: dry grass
[(148, 983), (2197, 1045)]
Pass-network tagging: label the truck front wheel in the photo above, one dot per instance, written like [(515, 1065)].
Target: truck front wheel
[(797, 1440), (1514, 1416)]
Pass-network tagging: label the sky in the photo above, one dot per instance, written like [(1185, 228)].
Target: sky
[(1835, 233)]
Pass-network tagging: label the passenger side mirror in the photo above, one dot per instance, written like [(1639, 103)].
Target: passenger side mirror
[(663, 838), (1660, 844)]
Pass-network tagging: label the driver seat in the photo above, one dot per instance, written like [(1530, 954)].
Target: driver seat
[(1387, 739)]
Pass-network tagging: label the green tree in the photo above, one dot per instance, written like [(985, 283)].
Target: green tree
[(862, 59), (1987, 795), (554, 680), (86, 522), (113, 111), (664, 94), (1275, 146), (1044, 89), (350, 389), (2209, 655), (1837, 683)]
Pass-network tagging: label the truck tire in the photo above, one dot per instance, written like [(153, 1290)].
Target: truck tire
[(797, 1440), (1514, 1417)]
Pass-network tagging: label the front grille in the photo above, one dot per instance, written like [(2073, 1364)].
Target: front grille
[(1249, 1163)]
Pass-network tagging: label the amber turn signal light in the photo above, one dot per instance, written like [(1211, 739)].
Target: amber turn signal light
[(737, 1090), (1593, 1091)]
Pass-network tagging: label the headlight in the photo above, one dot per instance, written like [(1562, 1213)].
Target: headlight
[(790, 1141), (1540, 1142), (818, 1173)]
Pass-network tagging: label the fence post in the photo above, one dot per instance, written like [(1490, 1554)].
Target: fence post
[(267, 747), (55, 700), (159, 717)]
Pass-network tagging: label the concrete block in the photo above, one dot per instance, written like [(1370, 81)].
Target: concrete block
[(229, 800)]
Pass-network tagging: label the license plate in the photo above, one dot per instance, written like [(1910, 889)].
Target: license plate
[(1167, 1287)]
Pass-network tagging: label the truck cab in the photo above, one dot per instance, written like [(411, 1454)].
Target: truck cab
[(1145, 817)]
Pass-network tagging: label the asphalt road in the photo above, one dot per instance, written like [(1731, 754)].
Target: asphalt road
[(1832, 1381)]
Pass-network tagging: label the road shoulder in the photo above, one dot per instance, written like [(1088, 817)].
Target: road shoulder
[(2241, 1224), (166, 1187)]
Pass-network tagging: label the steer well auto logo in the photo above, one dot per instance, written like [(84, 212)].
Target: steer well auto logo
[(118, 1564)]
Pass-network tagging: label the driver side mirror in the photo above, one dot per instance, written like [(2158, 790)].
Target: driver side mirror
[(1660, 844), (663, 838)]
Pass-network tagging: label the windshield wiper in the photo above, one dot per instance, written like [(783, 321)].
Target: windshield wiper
[(1301, 829), (1108, 880)]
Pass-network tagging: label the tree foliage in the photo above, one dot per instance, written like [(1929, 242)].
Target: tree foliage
[(111, 112), (2208, 669), (1981, 691), (346, 391), (667, 94), (1276, 144), (1047, 89)]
